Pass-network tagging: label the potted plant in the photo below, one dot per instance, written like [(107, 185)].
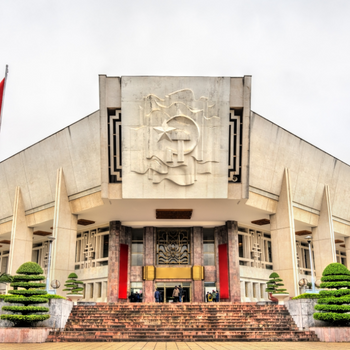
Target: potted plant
[(28, 279), (333, 305), (273, 288), (74, 288)]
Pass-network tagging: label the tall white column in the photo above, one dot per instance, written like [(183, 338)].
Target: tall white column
[(283, 238), (323, 236), (21, 236), (65, 232)]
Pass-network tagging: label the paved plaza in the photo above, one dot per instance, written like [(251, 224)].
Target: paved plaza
[(178, 346)]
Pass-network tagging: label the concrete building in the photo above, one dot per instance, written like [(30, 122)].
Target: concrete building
[(174, 180)]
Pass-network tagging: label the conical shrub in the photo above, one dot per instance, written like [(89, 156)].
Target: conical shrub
[(334, 303), (274, 284), (73, 286), (27, 290)]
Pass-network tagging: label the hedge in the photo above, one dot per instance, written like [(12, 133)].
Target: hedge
[(25, 319), (52, 296), (336, 308), (28, 284), (332, 285), (307, 296), (335, 293), (30, 268), (28, 278), (27, 292), (26, 301), (337, 318), (336, 278), (335, 300), (26, 309), (335, 269)]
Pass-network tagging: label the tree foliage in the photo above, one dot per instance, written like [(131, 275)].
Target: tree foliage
[(333, 304), (274, 284), (5, 278), (30, 293), (73, 286)]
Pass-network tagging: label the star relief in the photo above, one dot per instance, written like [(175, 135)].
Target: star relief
[(164, 130)]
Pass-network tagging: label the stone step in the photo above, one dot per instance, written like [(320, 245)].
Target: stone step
[(177, 320), (173, 329), (188, 336), (191, 322), (180, 314), (176, 307)]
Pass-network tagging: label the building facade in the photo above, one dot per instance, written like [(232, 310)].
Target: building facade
[(174, 181)]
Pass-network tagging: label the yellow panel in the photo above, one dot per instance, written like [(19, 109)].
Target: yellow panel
[(198, 273), (148, 273), (173, 272)]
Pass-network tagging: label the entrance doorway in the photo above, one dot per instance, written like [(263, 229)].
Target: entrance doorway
[(166, 291)]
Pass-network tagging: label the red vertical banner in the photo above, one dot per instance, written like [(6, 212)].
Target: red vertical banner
[(223, 271), (123, 271), (2, 88)]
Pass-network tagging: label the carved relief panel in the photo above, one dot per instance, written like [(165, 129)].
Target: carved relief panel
[(175, 139), (173, 246)]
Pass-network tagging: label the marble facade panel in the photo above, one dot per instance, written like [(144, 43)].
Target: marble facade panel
[(136, 274), (113, 261), (180, 127), (210, 274)]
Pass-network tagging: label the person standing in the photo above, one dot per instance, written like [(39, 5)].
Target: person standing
[(157, 295), (214, 295), (176, 294), (217, 296), (206, 296), (180, 293)]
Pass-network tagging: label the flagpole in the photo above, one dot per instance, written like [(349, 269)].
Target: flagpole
[(3, 94)]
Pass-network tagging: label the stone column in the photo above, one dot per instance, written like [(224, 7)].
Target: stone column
[(198, 286), (21, 246), (323, 236), (233, 261), (148, 260), (283, 239), (113, 261), (228, 234), (65, 232)]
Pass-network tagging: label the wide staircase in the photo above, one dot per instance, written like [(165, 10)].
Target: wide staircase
[(180, 322)]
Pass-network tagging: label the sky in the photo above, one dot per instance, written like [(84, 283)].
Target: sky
[(298, 53)]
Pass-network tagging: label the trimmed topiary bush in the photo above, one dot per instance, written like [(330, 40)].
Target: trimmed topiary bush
[(274, 284), (73, 287), (332, 303), (5, 278), (52, 296), (30, 293), (307, 296)]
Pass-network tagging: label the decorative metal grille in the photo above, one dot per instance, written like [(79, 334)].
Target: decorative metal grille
[(173, 246), (235, 145), (115, 145)]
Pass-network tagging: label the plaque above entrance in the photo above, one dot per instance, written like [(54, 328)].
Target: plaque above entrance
[(175, 137), (151, 273)]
